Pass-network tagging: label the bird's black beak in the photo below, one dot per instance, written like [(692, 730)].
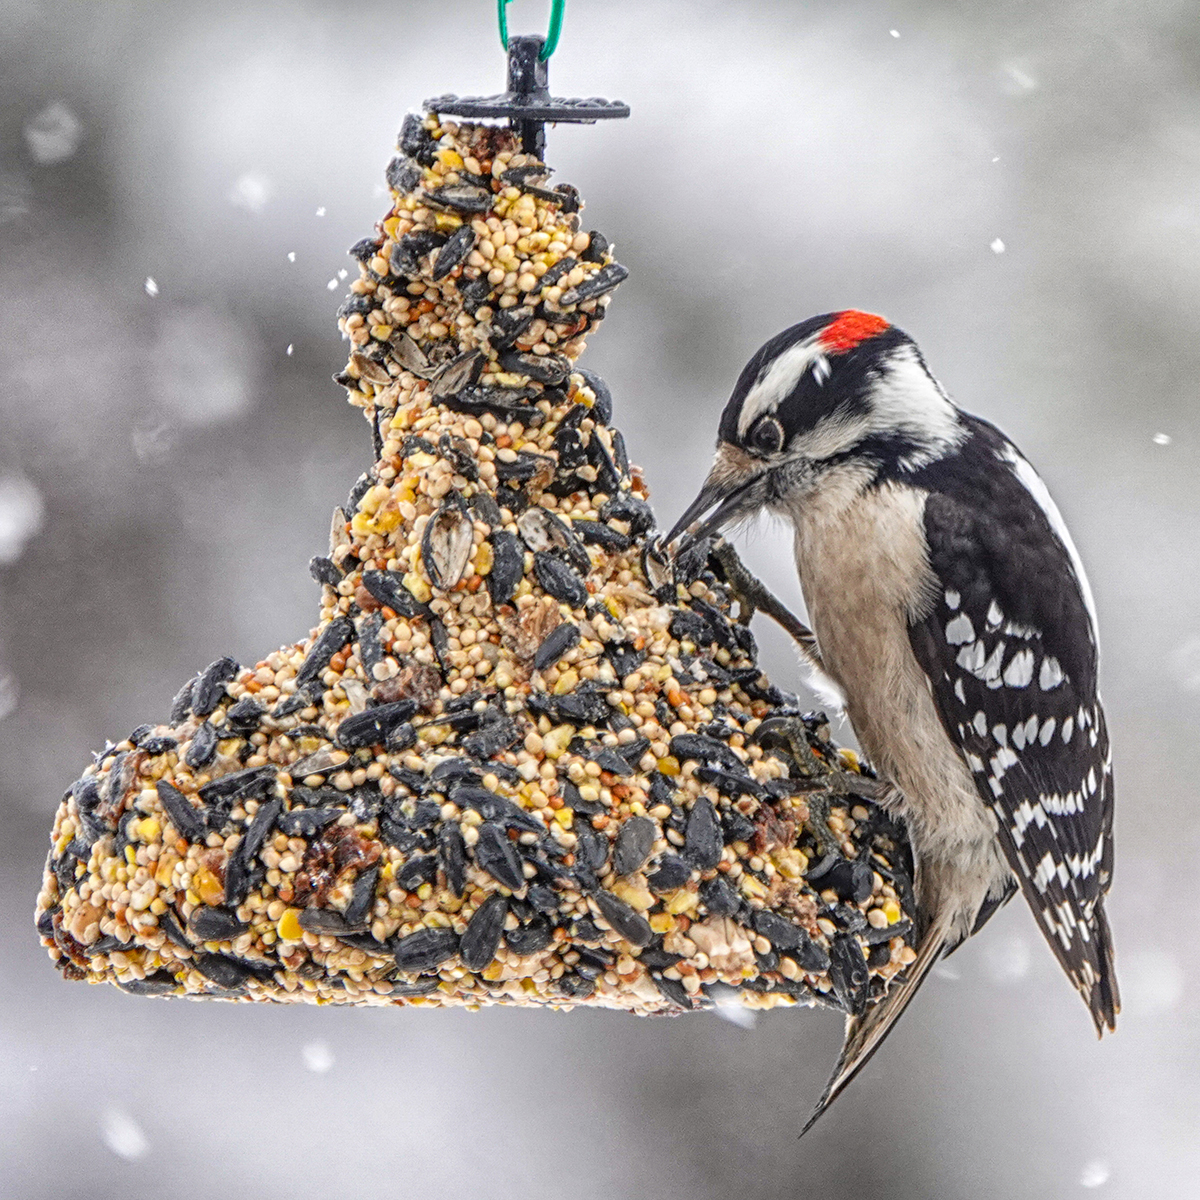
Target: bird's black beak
[(729, 500)]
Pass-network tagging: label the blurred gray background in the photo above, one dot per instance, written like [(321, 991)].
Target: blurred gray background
[(1017, 185)]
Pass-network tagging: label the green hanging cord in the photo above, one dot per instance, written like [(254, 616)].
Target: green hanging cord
[(552, 34)]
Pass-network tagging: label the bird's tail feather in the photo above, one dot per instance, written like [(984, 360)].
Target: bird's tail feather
[(865, 1034)]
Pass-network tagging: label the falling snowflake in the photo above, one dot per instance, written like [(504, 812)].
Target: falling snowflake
[(251, 192), (151, 286), (321, 211), (1007, 960), (1095, 1174), (291, 256), (54, 134), (22, 513), (289, 350), (123, 1135), (332, 284), (318, 1057), (997, 246), (1187, 664), (894, 32), (9, 695), (1162, 439)]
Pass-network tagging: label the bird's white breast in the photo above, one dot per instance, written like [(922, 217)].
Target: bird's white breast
[(863, 566)]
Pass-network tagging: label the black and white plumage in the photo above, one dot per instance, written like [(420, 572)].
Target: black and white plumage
[(952, 613)]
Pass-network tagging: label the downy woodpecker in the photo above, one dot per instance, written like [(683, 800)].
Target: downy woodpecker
[(952, 613)]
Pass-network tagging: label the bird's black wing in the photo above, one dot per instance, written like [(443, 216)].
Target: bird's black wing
[(1009, 647)]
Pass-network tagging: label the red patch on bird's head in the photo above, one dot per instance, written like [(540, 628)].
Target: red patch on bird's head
[(850, 328)]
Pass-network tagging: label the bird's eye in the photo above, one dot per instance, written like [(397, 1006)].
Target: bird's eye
[(765, 436)]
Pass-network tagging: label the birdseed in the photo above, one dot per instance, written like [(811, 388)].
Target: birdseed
[(519, 758)]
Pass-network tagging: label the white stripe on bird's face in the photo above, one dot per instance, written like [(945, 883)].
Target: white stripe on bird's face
[(780, 379)]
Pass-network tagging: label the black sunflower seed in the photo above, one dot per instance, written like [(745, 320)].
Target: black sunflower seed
[(484, 930), (474, 292), (492, 737), (338, 633), (573, 986), (224, 971), (604, 536), (324, 921), (630, 925), (486, 509), (245, 715), (415, 139), (702, 840), (239, 869), (633, 845), (425, 949), (508, 325), (497, 856), (542, 368), (673, 872), (324, 571), (412, 248), (700, 748), (625, 657), (239, 785), (421, 868), (732, 784), (508, 566), (160, 983), (452, 851), (182, 704), (599, 284), (530, 938), (187, 821), (848, 973), (388, 588), (215, 924), (365, 249), (403, 174), (625, 506), (673, 990), (597, 247), (503, 403), (174, 931), (494, 808), (719, 898), (210, 687), (554, 646), (362, 896), (591, 846), (454, 252), (559, 580), (687, 626), (602, 407), (305, 822), (461, 197), (553, 274), (372, 726), (579, 708)]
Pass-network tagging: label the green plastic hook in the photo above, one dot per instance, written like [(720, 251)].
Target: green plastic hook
[(552, 34)]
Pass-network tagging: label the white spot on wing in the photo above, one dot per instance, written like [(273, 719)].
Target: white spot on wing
[(960, 630), (1051, 674), (1047, 731), (994, 615), (953, 600), (980, 723), (1019, 671)]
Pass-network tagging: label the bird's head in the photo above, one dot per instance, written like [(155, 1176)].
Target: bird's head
[(840, 394)]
